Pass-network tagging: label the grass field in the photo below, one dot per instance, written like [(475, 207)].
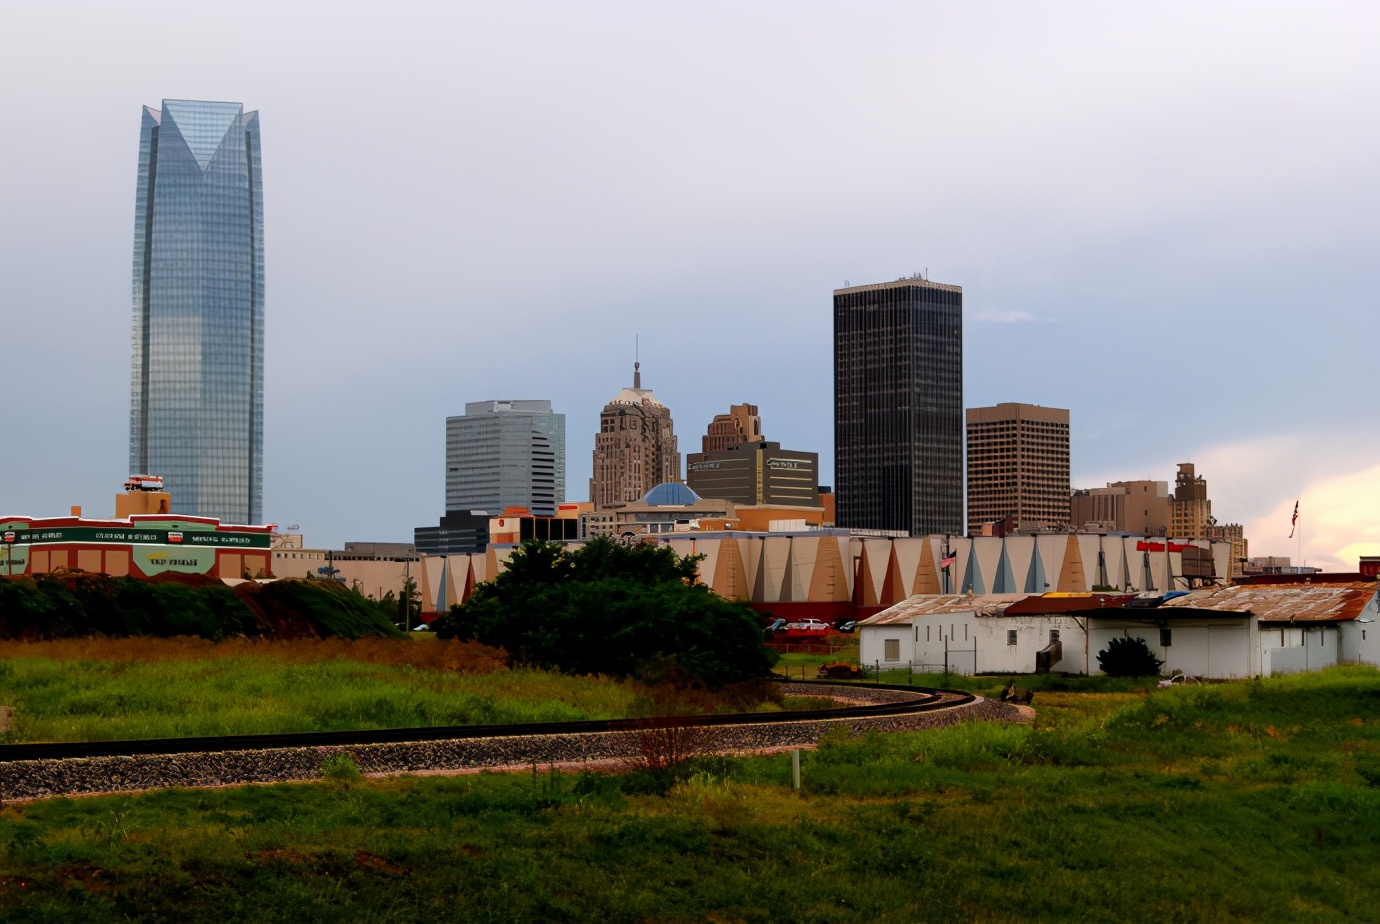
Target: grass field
[(1254, 800), (110, 689)]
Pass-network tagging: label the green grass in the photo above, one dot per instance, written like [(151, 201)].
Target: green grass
[(1253, 801), (95, 700)]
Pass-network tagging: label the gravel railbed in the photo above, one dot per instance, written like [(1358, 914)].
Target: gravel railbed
[(36, 779)]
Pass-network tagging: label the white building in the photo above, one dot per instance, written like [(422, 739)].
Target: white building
[(1221, 632)]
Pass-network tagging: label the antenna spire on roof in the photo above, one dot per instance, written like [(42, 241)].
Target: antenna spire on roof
[(637, 375)]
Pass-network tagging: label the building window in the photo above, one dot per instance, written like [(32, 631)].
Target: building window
[(1054, 635), (891, 649), (927, 633), (1166, 638), (1010, 636)]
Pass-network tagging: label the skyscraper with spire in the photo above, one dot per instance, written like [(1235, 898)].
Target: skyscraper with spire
[(197, 370), (635, 448)]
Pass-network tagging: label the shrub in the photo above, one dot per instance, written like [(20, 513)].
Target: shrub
[(340, 767), (1129, 657)]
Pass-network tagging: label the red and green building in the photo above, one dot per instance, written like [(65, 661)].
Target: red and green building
[(142, 545)]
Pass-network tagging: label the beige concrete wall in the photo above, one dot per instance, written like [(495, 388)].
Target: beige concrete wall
[(375, 578)]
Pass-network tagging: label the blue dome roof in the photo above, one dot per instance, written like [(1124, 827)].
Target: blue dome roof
[(670, 494)]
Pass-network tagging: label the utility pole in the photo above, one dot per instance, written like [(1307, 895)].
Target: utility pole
[(407, 595)]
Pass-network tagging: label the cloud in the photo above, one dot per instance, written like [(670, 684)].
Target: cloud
[(992, 316), (1339, 521)]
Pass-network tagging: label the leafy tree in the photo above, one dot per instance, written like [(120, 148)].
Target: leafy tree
[(611, 608), (1129, 657)]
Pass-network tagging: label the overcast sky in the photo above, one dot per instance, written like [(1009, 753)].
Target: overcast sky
[(1165, 217)]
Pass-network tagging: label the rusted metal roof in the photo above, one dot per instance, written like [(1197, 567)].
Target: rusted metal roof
[(1053, 605), (941, 605), (1275, 603)]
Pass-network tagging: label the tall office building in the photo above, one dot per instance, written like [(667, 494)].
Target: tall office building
[(506, 454), (898, 406), (635, 449), (1018, 466), (197, 392), (1191, 510)]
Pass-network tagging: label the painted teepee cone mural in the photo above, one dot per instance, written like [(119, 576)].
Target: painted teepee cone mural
[(1071, 576), (927, 571), (730, 577), (893, 584), (831, 579)]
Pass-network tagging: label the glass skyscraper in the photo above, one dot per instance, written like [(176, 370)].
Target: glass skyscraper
[(197, 393), (505, 454), (898, 407)]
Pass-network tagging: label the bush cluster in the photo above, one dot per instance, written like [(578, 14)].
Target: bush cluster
[(73, 604)]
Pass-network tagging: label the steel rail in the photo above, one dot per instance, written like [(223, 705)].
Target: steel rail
[(927, 699)]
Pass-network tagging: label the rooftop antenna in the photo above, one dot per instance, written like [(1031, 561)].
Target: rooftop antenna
[(637, 364)]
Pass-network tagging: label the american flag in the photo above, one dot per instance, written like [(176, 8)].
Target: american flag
[(1295, 521)]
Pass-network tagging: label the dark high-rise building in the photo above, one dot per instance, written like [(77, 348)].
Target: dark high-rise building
[(756, 472), (898, 406), (197, 383)]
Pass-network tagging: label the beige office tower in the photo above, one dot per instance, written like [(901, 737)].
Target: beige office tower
[(1018, 466), (635, 449), (1191, 511)]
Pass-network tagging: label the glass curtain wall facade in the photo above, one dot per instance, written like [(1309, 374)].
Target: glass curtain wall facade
[(506, 454), (196, 403), (898, 407)]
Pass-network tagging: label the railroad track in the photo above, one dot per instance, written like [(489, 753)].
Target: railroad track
[(47, 769)]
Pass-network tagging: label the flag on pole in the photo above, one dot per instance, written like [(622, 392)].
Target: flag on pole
[(1293, 524), (949, 560)]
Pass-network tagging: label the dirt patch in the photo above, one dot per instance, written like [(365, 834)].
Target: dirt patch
[(6, 718)]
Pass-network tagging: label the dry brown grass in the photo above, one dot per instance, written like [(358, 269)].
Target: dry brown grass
[(452, 655)]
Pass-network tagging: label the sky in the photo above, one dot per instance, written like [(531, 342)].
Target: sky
[(1165, 217)]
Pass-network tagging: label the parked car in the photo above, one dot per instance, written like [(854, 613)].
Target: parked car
[(1177, 680), (808, 625), (776, 626), (847, 625)]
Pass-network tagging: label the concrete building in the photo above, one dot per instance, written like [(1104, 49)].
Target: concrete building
[(666, 508), (1147, 508), (197, 366), (372, 568), (898, 406), (1018, 467), (1240, 548), (829, 574), (1213, 632), (1138, 507), (1191, 510), (458, 531), (635, 448), (502, 454)]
